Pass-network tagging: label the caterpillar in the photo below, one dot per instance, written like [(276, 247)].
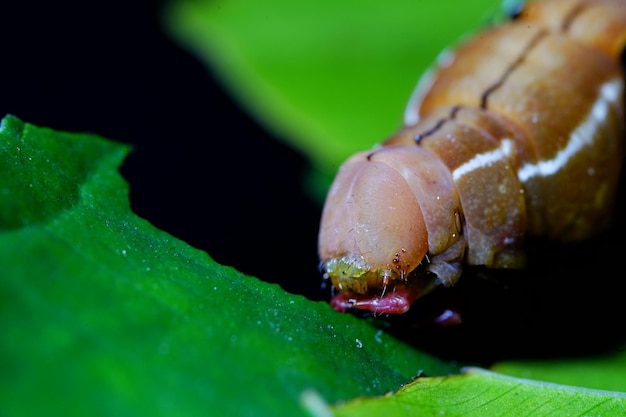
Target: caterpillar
[(518, 133)]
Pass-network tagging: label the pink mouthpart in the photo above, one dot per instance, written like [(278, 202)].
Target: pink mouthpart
[(397, 301)]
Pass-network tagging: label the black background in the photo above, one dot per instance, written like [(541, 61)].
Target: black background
[(200, 169), (203, 171)]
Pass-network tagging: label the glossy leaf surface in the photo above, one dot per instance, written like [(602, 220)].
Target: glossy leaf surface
[(101, 311), (483, 393)]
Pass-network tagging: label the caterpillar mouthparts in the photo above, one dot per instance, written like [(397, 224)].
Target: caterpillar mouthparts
[(395, 299), (379, 290)]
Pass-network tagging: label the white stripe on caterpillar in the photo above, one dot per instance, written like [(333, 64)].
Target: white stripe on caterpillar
[(581, 137), (444, 59), (483, 160)]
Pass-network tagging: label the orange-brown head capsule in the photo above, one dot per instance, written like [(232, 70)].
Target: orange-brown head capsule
[(374, 231)]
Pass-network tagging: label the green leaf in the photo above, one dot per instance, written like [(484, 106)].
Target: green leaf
[(102, 314), (603, 372), (329, 77), (483, 393)]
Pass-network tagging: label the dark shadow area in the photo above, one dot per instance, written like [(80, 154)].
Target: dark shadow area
[(201, 168)]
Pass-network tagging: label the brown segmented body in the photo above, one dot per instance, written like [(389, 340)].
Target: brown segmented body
[(520, 133)]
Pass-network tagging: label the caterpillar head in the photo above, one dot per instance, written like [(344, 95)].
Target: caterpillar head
[(373, 235)]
